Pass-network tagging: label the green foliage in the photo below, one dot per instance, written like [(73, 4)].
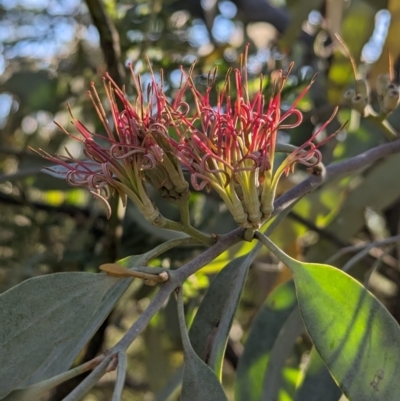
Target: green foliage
[(255, 334), (352, 331), (56, 309), (199, 381), (63, 356), (210, 329), (266, 327)]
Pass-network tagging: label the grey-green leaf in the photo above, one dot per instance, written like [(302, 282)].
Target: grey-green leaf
[(264, 331), (41, 314), (274, 379), (65, 353), (353, 332), (210, 329), (199, 381)]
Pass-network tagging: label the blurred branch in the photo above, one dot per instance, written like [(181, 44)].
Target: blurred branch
[(110, 45), (69, 210), (109, 39), (321, 231), (26, 172), (365, 249), (335, 171), (346, 246), (250, 11), (109, 42)]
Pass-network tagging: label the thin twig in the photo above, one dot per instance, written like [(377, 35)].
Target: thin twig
[(121, 373), (360, 255), (143, 320), (224, 243), (185, 212), (47, 385), (335, 171), (365, 248), (90, 380), (321, 231), (359, 247), (109, 43), (373, 269)]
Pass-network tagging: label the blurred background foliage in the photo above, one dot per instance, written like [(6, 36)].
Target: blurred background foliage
[(50, 52)]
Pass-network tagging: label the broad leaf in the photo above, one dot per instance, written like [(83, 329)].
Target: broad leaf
[(353, 332), (64, 354), (210, 329), (266, 328), (318, 383), (41, 314), (275, 380), (199, 381)]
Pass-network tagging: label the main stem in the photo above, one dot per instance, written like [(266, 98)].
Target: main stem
[(177, 277)]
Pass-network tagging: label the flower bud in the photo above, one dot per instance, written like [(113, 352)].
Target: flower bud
[(362, 88), (382, 84), (360, 99), (390, 100), (348, 96), (359, 103)]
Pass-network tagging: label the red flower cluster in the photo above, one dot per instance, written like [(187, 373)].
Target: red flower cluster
[(229, 146), (136, 149)]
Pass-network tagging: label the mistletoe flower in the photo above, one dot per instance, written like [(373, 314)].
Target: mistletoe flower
[(228, 145), (231, 147), (136, 149)]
